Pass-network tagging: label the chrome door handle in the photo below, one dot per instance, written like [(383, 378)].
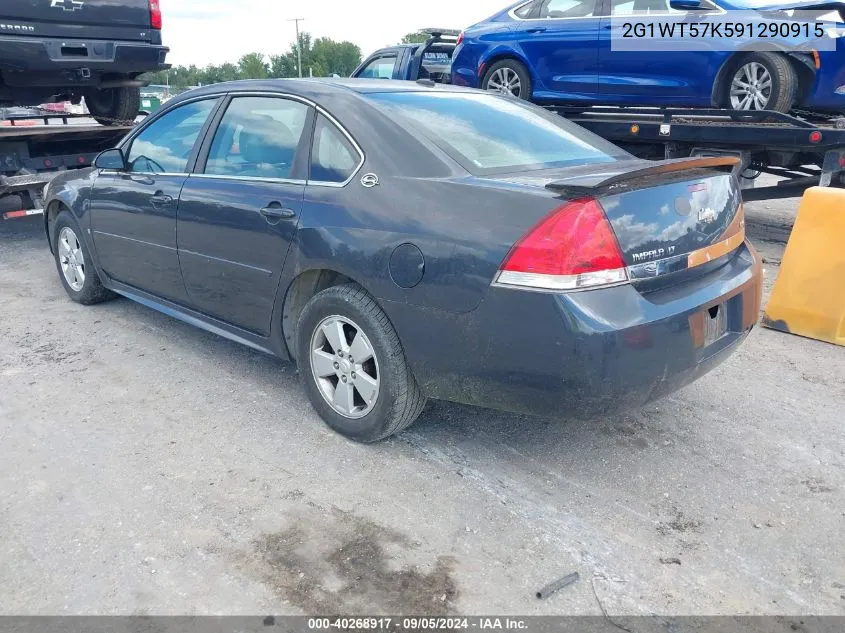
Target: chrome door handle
[(161, 200), (277, 211)]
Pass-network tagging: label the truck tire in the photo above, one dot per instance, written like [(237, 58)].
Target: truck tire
[(76, 267), (761, 81), (509, 76), (114, 106), (353, 367)]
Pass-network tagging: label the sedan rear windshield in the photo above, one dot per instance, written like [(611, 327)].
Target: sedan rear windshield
[(487, 133)]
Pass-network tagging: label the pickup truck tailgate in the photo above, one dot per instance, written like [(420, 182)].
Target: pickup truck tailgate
[(90, 19)]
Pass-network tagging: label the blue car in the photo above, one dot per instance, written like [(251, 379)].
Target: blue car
[(559, 52), (402, 242)]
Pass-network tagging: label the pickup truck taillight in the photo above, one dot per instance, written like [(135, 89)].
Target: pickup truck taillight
[(155, 14)]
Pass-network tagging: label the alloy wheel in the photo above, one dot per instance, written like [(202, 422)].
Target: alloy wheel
[(505, 80), (345, 367), (751, 87), (71, 259)]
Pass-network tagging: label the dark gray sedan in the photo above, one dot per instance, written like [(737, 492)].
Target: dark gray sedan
[(402, 241)]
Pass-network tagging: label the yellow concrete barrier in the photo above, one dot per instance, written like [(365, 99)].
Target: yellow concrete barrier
[(809, 295)]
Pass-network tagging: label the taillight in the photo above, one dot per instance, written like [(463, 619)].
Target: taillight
[(573, 248), (155, 14), (460, 39)]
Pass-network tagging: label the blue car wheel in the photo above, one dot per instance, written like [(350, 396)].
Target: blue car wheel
[(508, 76), (761, 81)]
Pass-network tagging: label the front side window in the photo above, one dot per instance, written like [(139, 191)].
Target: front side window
[(568, 9), (165, 145), (379, 68), (333, 158), (488, 134), (258, 137)]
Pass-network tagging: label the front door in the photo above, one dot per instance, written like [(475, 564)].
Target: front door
[(239, 212), (133, 212), (561, 45)]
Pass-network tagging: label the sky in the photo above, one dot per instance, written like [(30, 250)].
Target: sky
[(206, 32)]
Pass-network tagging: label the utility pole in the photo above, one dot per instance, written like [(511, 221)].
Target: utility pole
[(298, 45)]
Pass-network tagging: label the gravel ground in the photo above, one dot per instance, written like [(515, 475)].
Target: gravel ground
[(147, 467)]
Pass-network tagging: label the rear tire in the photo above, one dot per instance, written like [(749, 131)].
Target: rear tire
[(76, 268), (114, 106), (364, 401), (760, 81), (508, 76)]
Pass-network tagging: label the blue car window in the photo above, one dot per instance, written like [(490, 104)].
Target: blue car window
[(486, 133), (333, 157), (569, 9), (525, 10), (258, 138), (641, 7), (165, 145)]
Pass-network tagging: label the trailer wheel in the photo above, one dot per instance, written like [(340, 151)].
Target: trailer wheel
[(114, 106), (76, 269), (761, 81), (509, 77)]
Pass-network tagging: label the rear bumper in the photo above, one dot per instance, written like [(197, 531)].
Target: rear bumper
[(587, 354), (34, 55)]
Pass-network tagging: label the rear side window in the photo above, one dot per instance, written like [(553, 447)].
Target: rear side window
[(568, 9), (487, 134), (379, 68), (165, 145), (333, 157), (525, 11), (258, 138)]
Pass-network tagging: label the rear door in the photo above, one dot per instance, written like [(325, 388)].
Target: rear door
[(90, 19), (561, 46), (239, 212)]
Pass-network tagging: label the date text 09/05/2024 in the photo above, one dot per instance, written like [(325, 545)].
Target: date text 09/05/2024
[(416, 624)]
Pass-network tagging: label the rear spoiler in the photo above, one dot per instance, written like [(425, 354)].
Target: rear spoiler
[(591, 185)]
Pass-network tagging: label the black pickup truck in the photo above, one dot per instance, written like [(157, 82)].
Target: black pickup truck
[(64, 50)]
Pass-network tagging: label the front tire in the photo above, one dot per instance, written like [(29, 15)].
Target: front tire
[(353, 367), (114, 106), (73, 261), (761, 81), (508, 77)]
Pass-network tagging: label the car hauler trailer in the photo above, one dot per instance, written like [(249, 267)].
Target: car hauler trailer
[(803, 150), (36, 146)]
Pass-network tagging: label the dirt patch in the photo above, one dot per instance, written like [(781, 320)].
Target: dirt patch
[(331, 562), (816, 485), (680, 524)]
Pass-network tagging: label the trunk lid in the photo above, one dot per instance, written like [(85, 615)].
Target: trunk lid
[(667, 216), (78, 19)]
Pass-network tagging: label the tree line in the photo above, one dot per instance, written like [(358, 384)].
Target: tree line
[(321, 57)]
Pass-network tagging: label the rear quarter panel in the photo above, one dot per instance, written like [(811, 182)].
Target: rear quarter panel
[(462, 230)]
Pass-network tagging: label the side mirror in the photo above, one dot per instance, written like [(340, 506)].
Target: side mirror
[(685, 5), (111, 159)]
